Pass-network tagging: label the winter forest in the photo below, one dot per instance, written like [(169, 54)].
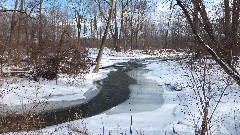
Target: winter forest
[(120, 67)]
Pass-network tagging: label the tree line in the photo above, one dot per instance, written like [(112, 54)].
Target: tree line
[(33, 30), (38, 31)]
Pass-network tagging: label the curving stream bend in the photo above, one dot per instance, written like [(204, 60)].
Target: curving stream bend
[(121, 92)]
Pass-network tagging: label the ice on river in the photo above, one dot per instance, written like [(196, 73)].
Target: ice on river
[(146, 95)]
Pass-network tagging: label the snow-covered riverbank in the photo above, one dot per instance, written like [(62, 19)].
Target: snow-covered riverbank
[(21, 94), (178, 114)]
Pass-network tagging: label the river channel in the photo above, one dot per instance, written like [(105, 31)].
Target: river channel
[(123, 91), (145, 95)]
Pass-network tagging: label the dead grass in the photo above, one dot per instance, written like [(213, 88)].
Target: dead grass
[(21, 122)]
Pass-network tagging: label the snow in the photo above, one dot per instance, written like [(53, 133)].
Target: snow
[(180, 112), (17, 92)]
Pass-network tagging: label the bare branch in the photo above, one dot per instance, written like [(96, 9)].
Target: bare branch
[(227, 68), (19, 11)]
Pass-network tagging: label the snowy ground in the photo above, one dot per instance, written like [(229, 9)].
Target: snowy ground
[(22, 94), (179, 114)]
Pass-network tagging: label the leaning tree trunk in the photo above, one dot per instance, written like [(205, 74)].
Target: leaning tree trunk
[(99, 57), (229, 69)]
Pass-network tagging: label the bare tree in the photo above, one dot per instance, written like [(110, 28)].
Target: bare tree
[(213, 41), (40, 23), (99, 57), (12, 33), (214, 47)]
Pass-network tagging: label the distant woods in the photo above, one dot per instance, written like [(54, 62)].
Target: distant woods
[(39, 36), (33, 32), (136, 24)]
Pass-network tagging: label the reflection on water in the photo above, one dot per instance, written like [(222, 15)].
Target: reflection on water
[(146, 95)]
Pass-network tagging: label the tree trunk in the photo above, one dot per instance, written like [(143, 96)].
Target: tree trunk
[(227, 44), (20, 35), (12, 33), (232, 72), (227, 19), (115, 38), (234, 34), (137, 29), (79, 29), (207, 25), (99, 57), (40, 24), (95, 29), (121, 27), (13, 23), (131, 26)]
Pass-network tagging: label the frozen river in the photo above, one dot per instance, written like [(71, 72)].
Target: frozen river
[(146, 95), (121, 92)]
